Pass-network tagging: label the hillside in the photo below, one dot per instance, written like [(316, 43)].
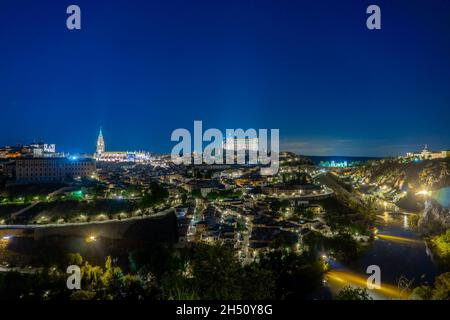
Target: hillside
[(402, 183), (430, 174)]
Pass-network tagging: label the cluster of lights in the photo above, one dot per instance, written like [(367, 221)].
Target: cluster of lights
[(102, 216), (424, 193), (6, 238)]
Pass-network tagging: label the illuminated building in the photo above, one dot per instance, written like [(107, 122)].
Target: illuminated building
[(52, 169), (338, 164), (10, 152), (32, 150), (123, 156), (118, 156), (427, 154), (100, 143)]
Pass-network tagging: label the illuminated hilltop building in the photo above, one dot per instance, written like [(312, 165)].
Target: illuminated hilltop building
[(427, 154), (118, 156)]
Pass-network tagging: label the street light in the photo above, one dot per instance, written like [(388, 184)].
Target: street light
[(4, 241), (91, 239)]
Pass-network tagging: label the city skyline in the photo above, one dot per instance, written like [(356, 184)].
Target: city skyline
[(289, 146), (142, 70), (226, 157)]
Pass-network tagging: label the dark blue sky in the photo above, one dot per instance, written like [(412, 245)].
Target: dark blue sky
[(141, 69)]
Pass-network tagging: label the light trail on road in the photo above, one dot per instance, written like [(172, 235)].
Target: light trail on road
[(398, 239), (344, 278)]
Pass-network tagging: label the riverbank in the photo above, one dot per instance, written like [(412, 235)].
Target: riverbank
[(404, 259)]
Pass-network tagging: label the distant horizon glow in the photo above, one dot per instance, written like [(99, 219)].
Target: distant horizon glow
[(302, 149)]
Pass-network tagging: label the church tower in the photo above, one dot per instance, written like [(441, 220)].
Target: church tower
[(100, 143)]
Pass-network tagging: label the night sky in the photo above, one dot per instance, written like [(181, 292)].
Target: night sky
[(141, 69)]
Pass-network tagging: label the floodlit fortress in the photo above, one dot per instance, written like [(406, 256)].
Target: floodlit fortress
[(427, 154)]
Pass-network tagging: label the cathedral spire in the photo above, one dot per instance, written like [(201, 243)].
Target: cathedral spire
[(100, 143)]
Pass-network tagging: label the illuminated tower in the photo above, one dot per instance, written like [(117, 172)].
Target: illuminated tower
[(100, 143)]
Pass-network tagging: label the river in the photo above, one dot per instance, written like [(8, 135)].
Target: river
[(399, 252)]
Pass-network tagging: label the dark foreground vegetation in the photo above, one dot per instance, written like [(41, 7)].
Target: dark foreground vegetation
[(163, 272)]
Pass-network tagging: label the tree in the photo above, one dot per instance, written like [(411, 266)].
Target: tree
[(82, 295), (441, 244), (91, 276), (216, 272), (196, 194), (213, 195), (112, 280), (284, 239), (155, 258), (156, 195), (278, 205), (175, 286), (439, 291), (256, 283), (296, 276), (423, 292), (74, 259), (350, 293), (342, 246)]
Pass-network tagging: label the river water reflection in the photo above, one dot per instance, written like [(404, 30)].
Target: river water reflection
[(398, 251)]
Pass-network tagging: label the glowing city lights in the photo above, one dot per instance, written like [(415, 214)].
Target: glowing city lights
[(424, 193), (91, 239)]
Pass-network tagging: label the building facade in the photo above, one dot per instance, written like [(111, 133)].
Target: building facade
[(118, 156), (52, 169), (426, 154), (39, 149)]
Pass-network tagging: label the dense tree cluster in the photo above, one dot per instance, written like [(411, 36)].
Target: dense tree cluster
[(223, 194), (440, 290), (343, 247), (352, 293), (162, 272), (441, 244), (155, 196)]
